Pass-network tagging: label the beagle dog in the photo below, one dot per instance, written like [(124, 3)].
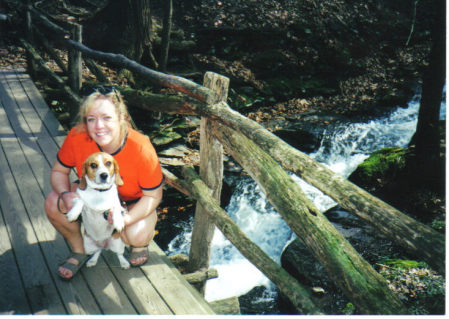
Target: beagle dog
[(98, 196)]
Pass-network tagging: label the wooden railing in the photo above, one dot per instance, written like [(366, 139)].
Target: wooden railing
[(267, 159)]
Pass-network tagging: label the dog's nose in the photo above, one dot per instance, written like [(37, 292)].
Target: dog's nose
[(104, 176)]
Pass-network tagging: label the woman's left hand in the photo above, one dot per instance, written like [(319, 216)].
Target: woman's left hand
[(110, 218)]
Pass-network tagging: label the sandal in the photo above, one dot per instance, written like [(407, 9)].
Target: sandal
[(81, 258), (133, 255)]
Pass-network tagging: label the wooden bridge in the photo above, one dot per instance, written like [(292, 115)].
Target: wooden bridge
[(30, 248)]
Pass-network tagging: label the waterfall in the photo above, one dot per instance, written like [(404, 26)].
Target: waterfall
[(343, 148)]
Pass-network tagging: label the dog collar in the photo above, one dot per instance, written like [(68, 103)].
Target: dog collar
[(103, 189)]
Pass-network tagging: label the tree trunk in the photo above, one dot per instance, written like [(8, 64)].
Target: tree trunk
[(355, 276), (124, 26), (166, 31), (427, 136)]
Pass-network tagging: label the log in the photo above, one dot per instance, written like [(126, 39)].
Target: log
[(199, 277), (178, 184), (211, 172), (95, 69), (41, 63), (60, 32), (289, 286), (49, 49), (75, 63), (358, 280), (31, 67), (170, 104), (228, 306), (165, 80), (415, 237), (179, 260)]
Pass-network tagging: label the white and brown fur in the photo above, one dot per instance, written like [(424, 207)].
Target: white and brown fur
[(97, 194)]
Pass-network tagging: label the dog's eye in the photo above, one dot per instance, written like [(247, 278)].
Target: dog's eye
[(108, 163), (93, 165)]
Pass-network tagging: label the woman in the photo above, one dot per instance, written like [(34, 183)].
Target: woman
[(104, 125)]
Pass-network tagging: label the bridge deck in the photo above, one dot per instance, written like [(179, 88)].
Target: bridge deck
[(30, 248)]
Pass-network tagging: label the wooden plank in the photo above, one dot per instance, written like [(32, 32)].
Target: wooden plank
[(33, 107), (5, 128), (45, 114), (12, 86), (13, 113), (107, 290), (12, 293), (44, 141), (39, 286), (181, 297), (141, 292), (76, 295)]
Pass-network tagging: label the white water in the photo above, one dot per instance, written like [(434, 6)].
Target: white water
[(343, 148)]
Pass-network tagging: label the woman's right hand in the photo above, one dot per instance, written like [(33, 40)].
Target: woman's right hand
[(67, 198)]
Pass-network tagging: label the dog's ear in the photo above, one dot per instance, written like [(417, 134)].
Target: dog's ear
[(83, 183), (118, 178)]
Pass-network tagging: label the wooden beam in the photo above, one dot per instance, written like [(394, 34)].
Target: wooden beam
[(165, 80), (415, 237), (358, 280), (75, 62), (211, 172), (41, 63), (296, 293)]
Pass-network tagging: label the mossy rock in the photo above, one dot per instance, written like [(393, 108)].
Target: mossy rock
[(382, 167)]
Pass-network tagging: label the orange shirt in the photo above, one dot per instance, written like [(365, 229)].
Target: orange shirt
[(137, 159)]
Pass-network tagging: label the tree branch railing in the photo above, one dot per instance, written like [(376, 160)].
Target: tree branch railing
[(266, 157)]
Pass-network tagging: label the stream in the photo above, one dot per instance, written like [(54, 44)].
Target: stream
[(343, 147)]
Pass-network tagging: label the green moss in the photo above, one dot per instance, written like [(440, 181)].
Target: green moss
[(349, 309), (404, 264), (384, 162)]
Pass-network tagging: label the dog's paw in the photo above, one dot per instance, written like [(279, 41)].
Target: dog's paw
[(124, 264), (91, 262), (118, 222), (93, 259), (74, 213)]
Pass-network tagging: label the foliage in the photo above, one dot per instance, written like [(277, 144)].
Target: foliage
[(420, 288), (439, 224), (349, 309)]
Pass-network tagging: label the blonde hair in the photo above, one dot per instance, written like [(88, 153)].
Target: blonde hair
[(119, 105)]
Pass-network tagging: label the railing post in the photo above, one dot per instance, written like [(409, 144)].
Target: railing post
[(74, 57), (75, 67), (29, 36), (211, 172)]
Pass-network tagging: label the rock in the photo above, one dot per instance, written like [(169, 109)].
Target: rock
[(299, 261), (258, 302), (300, 139)]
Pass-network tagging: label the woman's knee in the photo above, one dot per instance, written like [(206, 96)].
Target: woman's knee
[(51, 203), (141, 233)]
